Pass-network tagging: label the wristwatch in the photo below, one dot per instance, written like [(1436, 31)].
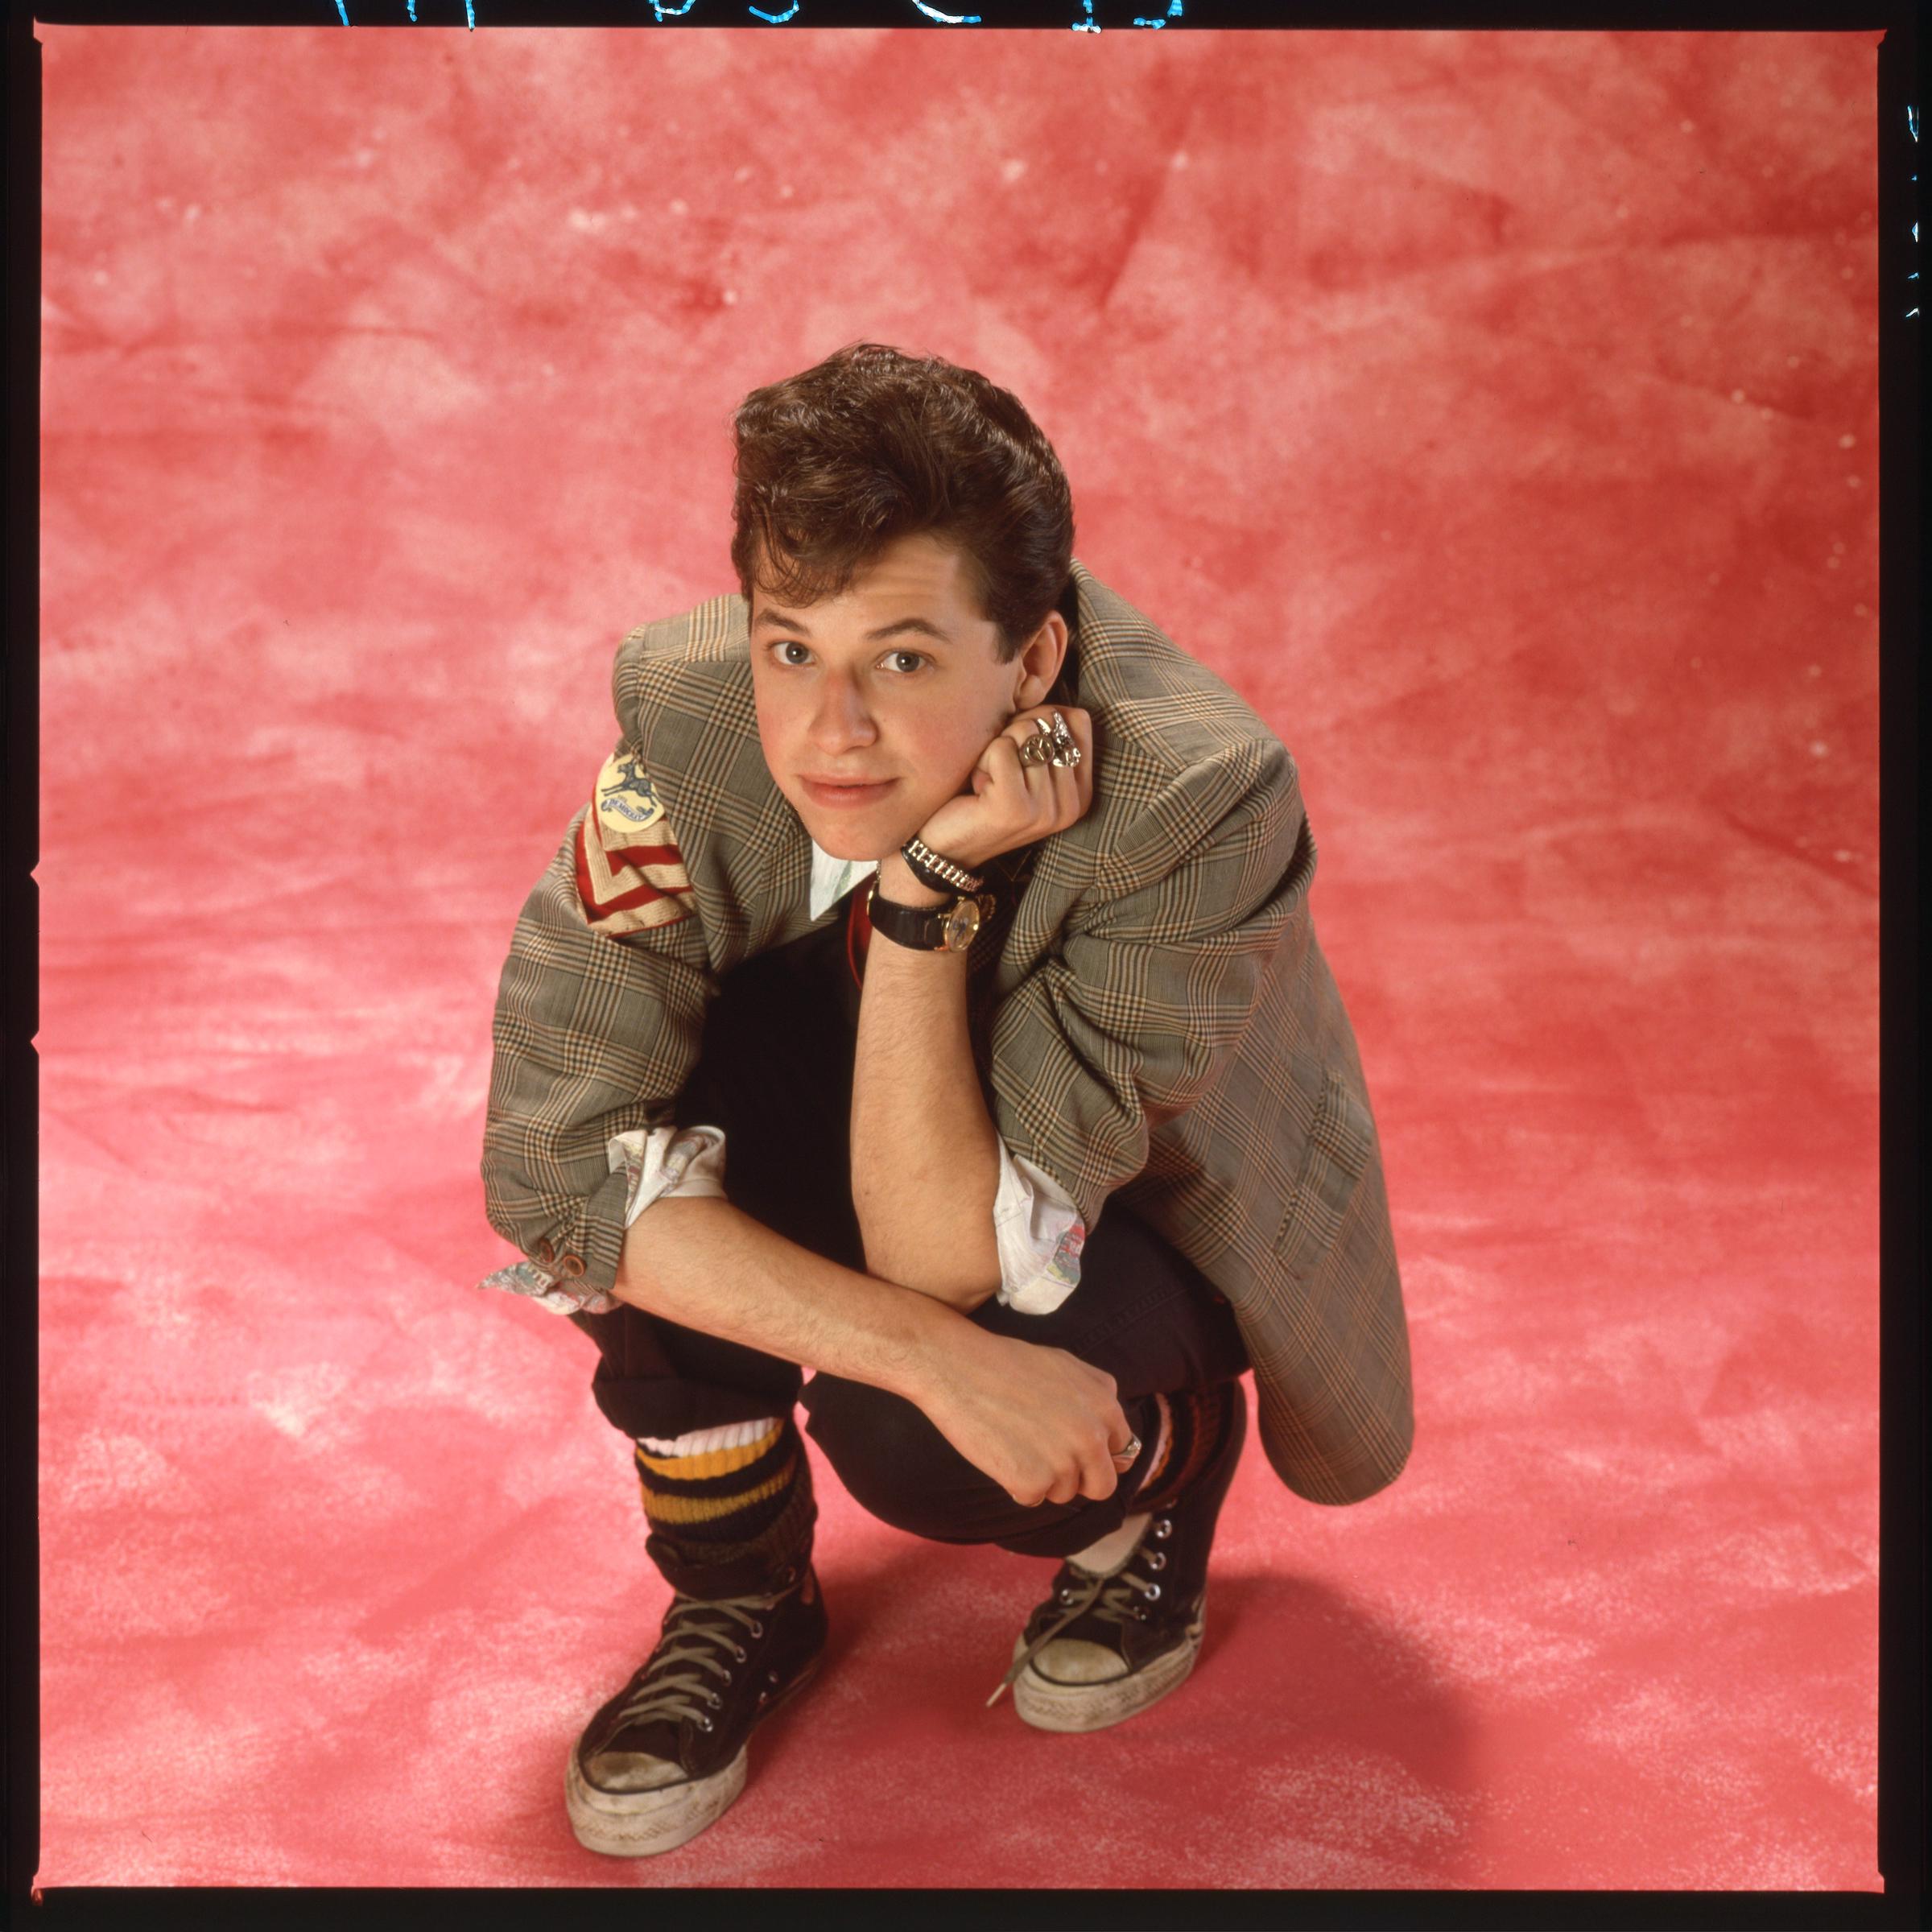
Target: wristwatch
[(948, 928)]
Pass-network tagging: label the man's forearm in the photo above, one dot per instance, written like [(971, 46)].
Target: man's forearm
[(925, 1154), (701, 1262), (1037, 1420)]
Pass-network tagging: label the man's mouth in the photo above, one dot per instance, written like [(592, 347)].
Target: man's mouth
[(823, 791)]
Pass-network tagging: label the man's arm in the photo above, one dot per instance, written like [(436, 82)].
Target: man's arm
[(600, 1014), (1041, 1423), (925, 1152), (925, 1156)]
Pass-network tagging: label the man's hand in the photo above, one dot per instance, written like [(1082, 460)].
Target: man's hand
[(1014, 804), (1044, 1425)]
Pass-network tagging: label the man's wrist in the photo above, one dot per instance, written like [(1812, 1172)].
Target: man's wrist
[(939, 1339), (900, 884)]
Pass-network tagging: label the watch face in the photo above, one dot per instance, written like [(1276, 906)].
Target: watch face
[(961, 923)]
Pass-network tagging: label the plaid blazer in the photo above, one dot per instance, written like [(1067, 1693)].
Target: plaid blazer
[(1150, 1015)]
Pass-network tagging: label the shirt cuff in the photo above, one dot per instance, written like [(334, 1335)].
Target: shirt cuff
[(668, 1160), (654, 1162), (1040, 1234)]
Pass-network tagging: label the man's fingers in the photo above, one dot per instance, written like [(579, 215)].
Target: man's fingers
[(1003, 758), (1036, 784)]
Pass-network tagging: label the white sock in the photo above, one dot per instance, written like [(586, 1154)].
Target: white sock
[(1106, 1556), (701, 1442)]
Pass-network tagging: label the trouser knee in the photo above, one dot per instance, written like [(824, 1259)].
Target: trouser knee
[(895, 1465)]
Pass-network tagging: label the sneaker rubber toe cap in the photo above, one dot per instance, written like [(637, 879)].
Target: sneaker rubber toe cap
[(1072, 1660)]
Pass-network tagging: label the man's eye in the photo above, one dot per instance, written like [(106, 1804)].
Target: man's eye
[(918, 657), (789, 644)]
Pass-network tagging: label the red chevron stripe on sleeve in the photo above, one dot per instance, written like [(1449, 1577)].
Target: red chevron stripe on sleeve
[(632, 887)]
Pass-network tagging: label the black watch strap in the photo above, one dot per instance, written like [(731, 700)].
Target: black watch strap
[(948, 928)]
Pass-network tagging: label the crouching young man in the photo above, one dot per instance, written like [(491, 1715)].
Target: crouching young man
[(927, 994)]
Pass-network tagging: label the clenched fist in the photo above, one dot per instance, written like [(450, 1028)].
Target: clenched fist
[(1043, 1424), (1014, 804)]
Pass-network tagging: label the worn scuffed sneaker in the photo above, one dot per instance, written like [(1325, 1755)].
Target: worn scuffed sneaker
[(665, 1757), (1110, 1641)]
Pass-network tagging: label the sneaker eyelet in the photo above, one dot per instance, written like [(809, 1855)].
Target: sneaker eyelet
[(1140, 1616), (771, 1677), (1153, 1592), (1066, 1597), (757, 1629), (764, 1698), (705, 1723), (1157, 1559), (738, 1652), (713, 1698), (1164, 1529)]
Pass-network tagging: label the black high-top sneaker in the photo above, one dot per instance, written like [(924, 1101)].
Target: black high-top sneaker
[(666, 1757), (1107, 1644)]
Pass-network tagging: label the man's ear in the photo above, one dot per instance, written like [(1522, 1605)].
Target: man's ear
[(1039, 664)]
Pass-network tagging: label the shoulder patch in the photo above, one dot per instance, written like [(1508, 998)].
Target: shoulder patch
[(626, 799), (630, 874)]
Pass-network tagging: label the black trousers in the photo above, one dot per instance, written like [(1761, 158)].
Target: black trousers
[(774, 1073)]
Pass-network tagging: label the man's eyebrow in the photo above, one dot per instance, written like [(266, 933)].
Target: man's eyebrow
[(771, 619)]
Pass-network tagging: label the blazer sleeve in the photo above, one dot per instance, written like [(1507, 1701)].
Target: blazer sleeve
[(1130, 1017), (599, 1018)]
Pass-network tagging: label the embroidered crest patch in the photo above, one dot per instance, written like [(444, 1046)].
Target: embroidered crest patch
[(627, 801), (630, 874)]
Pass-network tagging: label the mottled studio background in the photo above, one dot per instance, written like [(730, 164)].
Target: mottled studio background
[(1498, 412)]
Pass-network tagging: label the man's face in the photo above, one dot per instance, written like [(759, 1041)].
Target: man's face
[(892, 687)]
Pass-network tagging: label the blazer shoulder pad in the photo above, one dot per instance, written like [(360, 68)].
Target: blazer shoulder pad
[(1149, 696), (710, 633)]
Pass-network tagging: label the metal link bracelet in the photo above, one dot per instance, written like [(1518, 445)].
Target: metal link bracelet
[(929, 869)]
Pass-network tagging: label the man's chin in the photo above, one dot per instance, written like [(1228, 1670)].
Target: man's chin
[(847, 841), (862, 851)]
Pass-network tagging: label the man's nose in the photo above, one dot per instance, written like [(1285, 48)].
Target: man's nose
[(841, 718)]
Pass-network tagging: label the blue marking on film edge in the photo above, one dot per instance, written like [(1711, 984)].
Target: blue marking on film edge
[(1086, 24), (469, 12)]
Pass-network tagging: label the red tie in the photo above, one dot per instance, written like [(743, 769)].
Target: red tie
[(858, 932)]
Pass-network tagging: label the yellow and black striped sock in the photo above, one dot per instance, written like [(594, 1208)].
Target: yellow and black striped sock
[(715, 1496), (1198, 1421)]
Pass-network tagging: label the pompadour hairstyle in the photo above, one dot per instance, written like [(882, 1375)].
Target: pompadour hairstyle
[(870, 445)]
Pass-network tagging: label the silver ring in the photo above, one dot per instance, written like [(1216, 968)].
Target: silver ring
[(1128, 1454), (1052, 744)]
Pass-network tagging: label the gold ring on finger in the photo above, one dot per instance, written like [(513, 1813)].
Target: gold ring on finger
[(1050, 744)]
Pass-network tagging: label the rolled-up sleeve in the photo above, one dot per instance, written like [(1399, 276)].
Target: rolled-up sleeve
[(1040, 1234), (655, 1163), (1154, 979), (598, 1019)]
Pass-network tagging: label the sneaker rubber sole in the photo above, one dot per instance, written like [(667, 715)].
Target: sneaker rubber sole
[(1050, 1706), (639, 1824)]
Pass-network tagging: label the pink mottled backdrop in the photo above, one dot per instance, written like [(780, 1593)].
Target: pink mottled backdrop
[(1497, 411)]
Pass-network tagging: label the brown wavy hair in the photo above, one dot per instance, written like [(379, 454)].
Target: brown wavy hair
[(871, 445)]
